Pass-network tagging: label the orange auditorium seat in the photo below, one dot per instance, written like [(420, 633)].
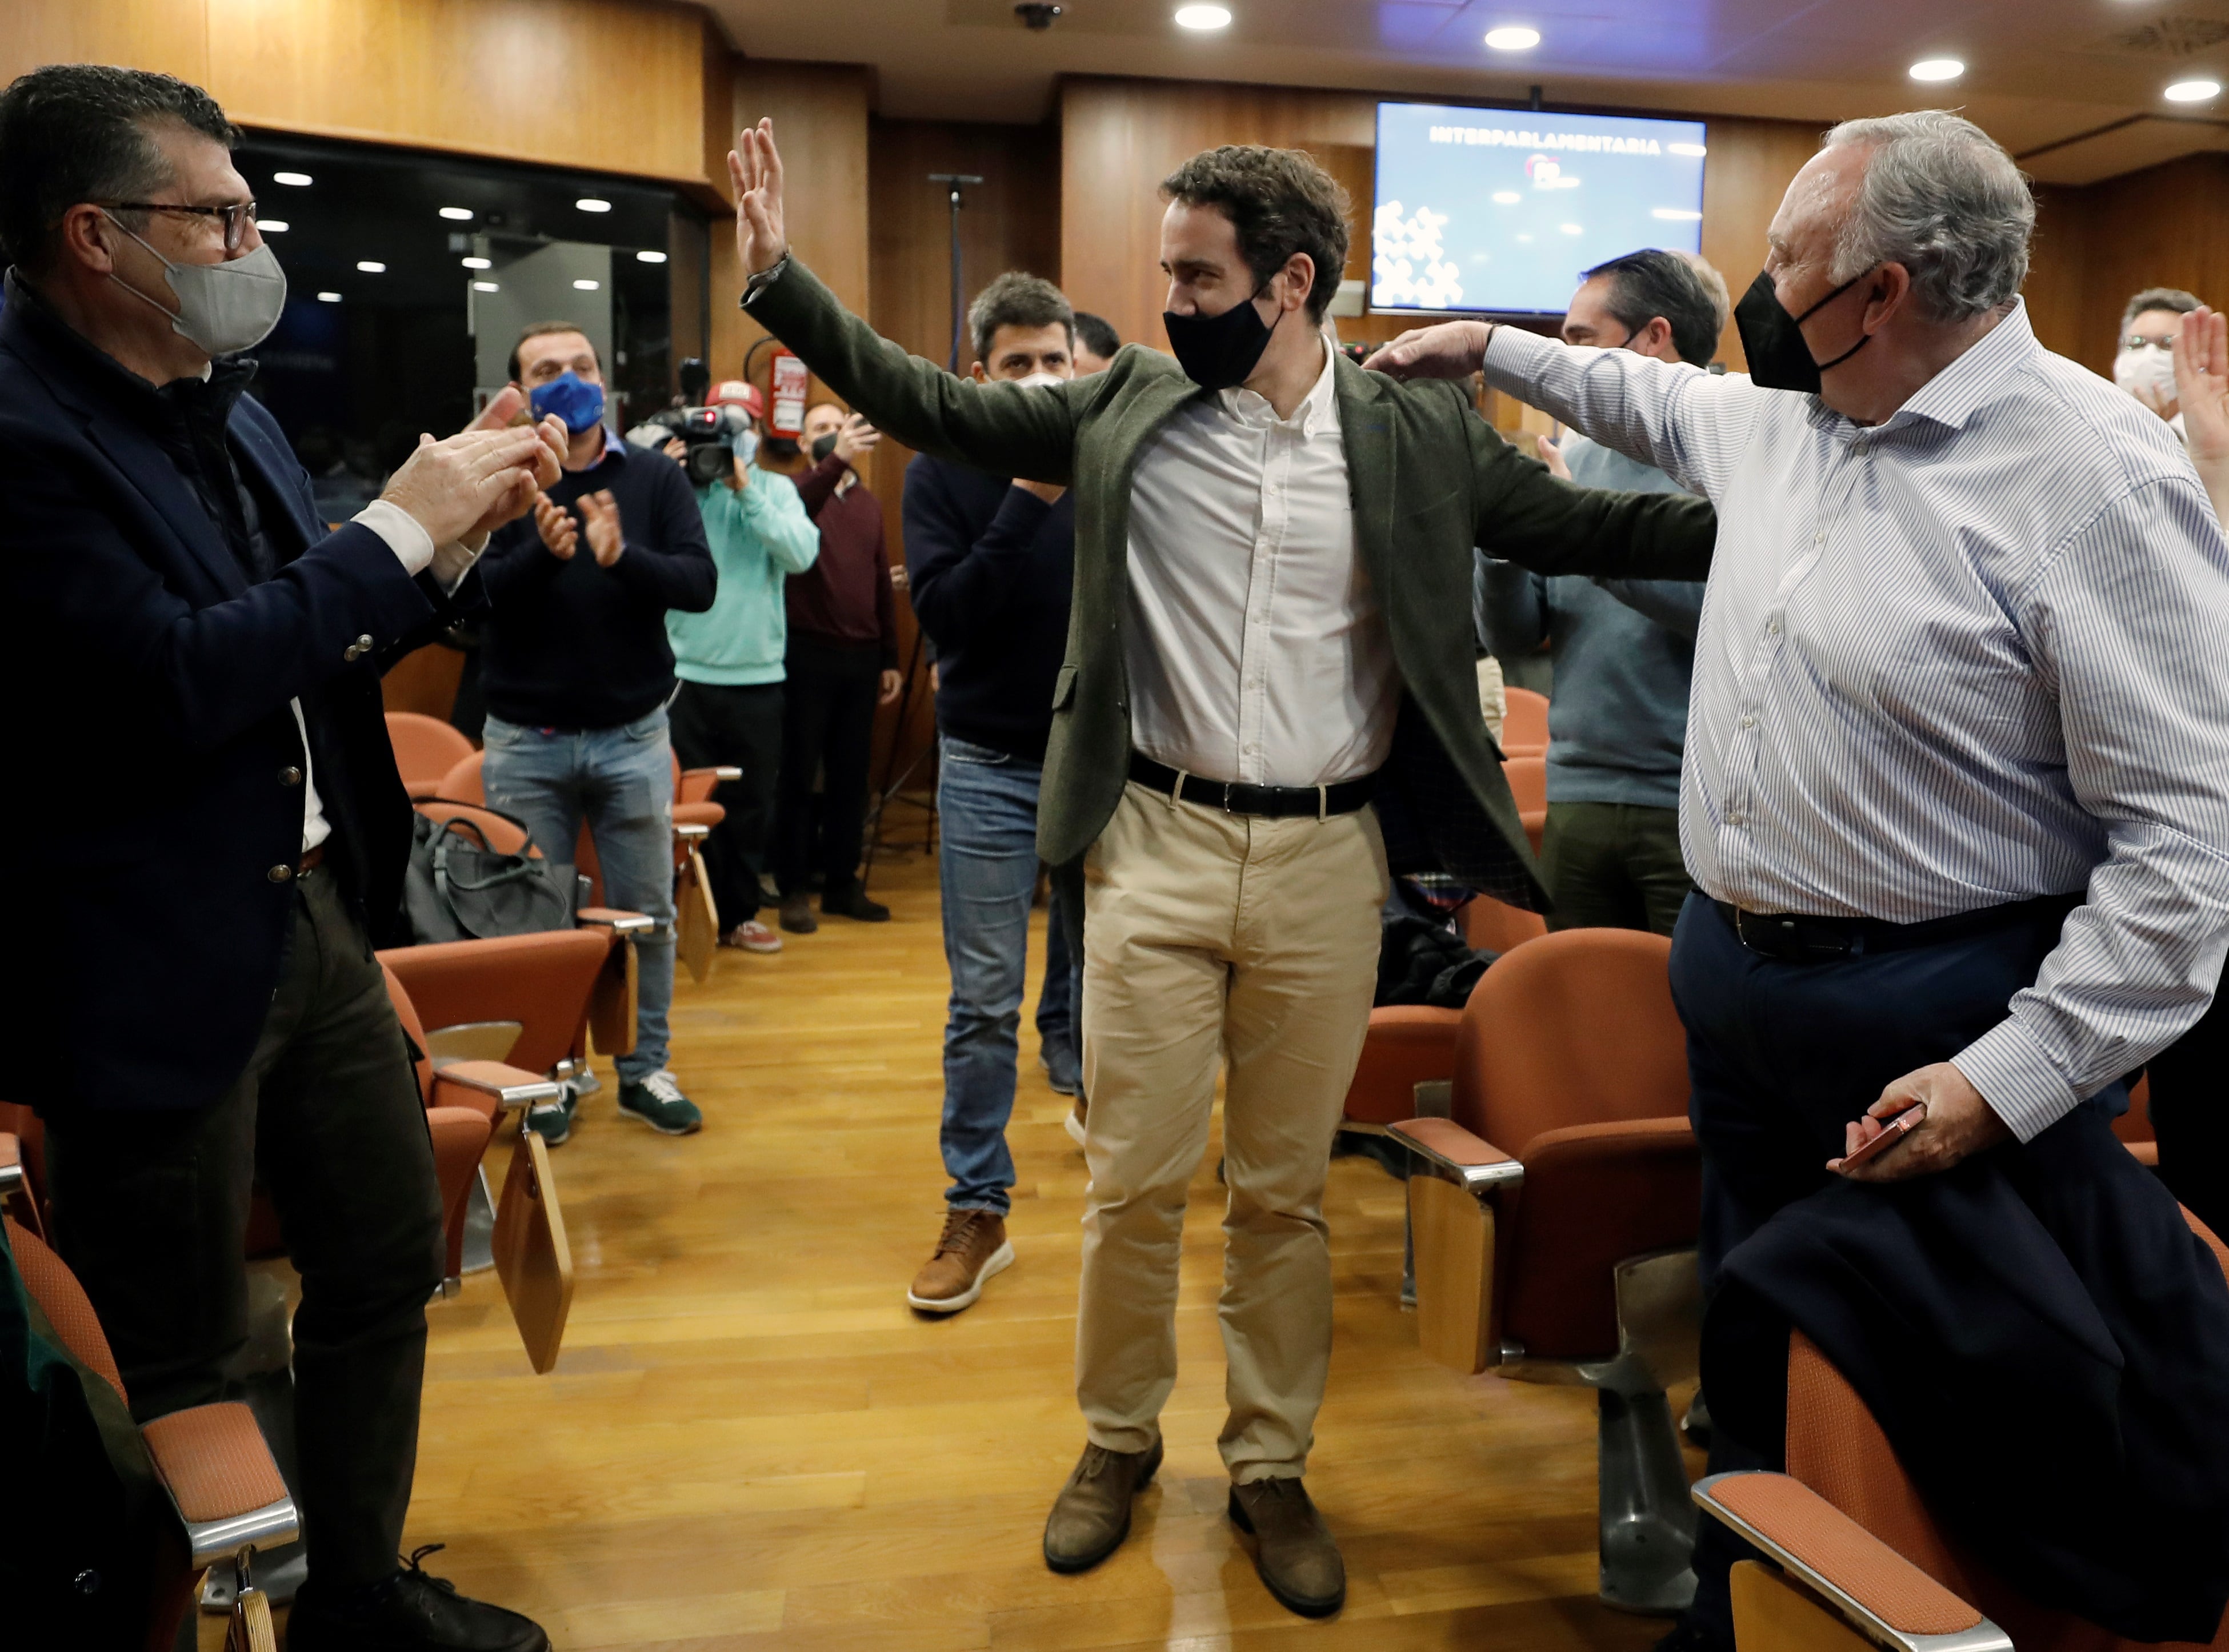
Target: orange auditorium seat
[(1491, 925), (426, 749), (1554, 1215), (1862, 1563), (1524, 724), (226, 1491), (1528, 786)]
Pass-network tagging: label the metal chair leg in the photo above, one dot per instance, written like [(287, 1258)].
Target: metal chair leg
[(1648, 1520)]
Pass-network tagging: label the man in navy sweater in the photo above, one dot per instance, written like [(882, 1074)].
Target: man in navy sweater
[(578, 670), (989, 562)]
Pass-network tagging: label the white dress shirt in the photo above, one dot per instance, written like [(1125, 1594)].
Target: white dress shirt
[(1969, 655), (1255, 649)]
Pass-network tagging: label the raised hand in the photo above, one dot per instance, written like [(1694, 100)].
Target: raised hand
[(556, 525), (856, 439), (449, 486), (602, 513), (754, 167), (1453, 350), (2201, 383)]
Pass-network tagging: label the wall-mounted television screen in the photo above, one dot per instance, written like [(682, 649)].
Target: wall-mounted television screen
[(1498, 210)]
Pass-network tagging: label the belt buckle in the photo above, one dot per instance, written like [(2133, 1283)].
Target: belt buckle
[(1228, 787)]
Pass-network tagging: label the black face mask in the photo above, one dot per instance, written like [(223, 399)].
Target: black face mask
[(1773, 339), (823, 446), (1220, 352)]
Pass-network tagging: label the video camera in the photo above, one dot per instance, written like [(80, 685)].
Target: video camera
[(711, 433)]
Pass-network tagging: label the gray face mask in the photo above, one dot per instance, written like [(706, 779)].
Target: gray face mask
[(224, 308)]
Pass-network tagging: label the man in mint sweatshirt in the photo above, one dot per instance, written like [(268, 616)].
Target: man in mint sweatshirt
[(730, 660)]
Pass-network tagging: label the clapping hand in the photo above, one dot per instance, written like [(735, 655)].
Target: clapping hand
[(2201, 382), (472, 482), (754, 167), (556, 524), (602, 513)]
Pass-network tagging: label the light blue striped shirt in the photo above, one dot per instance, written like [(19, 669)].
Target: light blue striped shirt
[(1975, 654)]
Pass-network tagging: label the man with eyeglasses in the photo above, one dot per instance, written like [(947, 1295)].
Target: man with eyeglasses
[(194, 670)]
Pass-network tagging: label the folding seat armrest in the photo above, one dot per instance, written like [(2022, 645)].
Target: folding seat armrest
[(719, 772), (12, 1165), (618, 921), (1883, 1596), (220, 1474), (690, 831), (511, 1086), (1470, 1161)]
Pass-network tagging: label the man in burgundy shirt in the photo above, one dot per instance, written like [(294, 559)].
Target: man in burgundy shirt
[(842, 663)]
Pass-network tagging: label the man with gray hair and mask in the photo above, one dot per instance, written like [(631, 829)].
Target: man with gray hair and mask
[(1953, 801)]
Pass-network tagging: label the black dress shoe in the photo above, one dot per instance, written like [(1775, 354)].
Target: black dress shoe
[(408, 1610), (853, 902)]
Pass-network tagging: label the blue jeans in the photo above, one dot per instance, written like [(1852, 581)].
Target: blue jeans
[(620, 781), (987, 804)]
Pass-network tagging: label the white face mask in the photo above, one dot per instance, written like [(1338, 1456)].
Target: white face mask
[(224, 308), (1040, 377), (2150, 368)]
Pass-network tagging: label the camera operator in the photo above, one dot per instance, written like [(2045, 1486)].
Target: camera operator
[(204, 1011), (729, 657), (578, 672)]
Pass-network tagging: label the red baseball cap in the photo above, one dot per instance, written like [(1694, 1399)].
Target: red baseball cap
[(739, 392)]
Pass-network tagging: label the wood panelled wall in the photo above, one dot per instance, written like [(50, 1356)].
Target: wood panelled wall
[(613, 86), (1119, 137), (2096, 246)]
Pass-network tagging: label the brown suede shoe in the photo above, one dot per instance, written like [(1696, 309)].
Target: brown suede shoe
[(972, 1247), (1292, 1548), (1091, 1516)]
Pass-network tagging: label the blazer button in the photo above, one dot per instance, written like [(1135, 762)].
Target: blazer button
[(281, 874), (290, 776)]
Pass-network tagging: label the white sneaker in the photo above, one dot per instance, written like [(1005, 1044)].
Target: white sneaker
[(752, 937)]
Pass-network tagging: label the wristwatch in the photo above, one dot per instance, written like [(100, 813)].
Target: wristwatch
[(762, 280)]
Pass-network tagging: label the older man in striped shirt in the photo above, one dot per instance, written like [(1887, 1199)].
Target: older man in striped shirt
[(1956, 801)]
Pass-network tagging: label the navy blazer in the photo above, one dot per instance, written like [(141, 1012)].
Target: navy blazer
[(153, 756)]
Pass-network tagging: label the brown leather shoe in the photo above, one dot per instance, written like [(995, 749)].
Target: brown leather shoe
[(1293, 1547), (1091, 1516), (973, 1248)]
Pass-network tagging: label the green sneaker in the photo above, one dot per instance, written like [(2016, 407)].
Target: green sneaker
[(657, 1101), (554, 1124)]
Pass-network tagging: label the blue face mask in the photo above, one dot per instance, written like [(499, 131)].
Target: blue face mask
[(745, 445), (579, 404)]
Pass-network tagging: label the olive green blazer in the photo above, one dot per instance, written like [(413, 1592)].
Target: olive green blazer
[(1430, 480)]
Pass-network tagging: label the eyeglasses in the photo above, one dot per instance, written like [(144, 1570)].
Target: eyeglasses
[(2138, 341), (235, 217)]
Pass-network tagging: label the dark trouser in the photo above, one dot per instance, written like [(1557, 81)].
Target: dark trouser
[(740, 724), (151, 1209), (2190, 1116), (1614, 865), (1936, 1275), (827, 729)]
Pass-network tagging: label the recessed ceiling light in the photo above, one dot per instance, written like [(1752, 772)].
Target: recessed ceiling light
[(1507, 197), (1203, 17), (2194, 91), (371, 268), (648, 257), (1569, 229), (328, 297), (586, 287), (1691, 150), (272, 226), (485, 286), (299, 180), (1675, 215), (1513, 37), (477, 263), (1937, 68), (590, 203), (460, 214)]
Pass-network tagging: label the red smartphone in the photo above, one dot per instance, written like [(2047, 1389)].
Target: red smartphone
[(1892, 1132)]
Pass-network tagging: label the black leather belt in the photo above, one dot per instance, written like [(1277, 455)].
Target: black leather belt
[(1235, 797), (1795, 938)]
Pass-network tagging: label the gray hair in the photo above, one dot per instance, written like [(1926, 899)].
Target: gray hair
[(1943, 198), (2169, 299)]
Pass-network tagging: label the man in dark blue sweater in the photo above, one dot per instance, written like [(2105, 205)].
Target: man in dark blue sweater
[(578, 671), (989, 562)]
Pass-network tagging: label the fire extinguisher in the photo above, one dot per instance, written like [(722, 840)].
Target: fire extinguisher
[(788, 379)]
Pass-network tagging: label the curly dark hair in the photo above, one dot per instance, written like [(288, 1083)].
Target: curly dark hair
[(1281, 202), (75, 132)]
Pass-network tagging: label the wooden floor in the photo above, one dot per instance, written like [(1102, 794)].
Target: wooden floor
[(751, 1442)]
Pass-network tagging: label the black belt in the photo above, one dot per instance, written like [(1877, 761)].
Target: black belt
[(1235, 797), (1794, 938)]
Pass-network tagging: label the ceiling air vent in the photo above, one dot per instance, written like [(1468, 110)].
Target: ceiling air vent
[(2170, 36)]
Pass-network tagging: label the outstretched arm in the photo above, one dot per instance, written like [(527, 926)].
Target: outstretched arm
[(1007, 429), (2201, 382)]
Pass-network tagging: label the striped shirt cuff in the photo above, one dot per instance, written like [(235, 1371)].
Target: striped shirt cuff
[(2018, 1079)]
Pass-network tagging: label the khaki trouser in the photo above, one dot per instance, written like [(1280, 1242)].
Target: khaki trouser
[(1211, 936)]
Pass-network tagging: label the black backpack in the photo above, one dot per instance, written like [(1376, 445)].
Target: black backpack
[(459, 888)]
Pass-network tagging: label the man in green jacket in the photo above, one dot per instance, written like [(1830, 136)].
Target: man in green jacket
[(1269, 694), (728, 711)]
